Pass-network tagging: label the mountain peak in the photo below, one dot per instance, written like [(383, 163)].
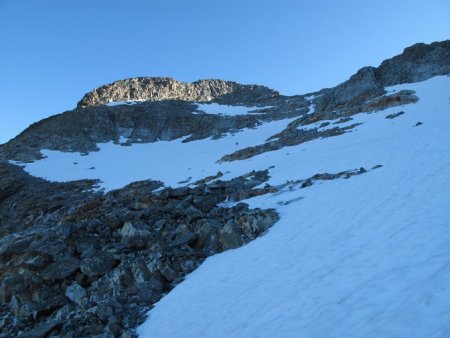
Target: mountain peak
[(166, 88)]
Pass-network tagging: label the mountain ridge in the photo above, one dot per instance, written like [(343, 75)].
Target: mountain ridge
[(61, 132), (221, 164)]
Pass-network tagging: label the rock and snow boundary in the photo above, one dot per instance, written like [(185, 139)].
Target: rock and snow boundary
[(366, 256)]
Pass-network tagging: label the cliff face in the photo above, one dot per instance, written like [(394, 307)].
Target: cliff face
[(164, 88), (417, 63)]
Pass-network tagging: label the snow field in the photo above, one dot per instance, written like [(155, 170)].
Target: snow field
[(362, 257)]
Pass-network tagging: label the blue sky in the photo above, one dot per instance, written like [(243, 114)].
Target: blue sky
[(53, 51)]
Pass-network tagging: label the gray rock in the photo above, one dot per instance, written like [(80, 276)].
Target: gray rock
[(42, 330), (205, 203), (188, 238), (61, 269), (167, 272), (98, 265), (230, 237), (359, 88), (14, 243), (134, 236), (394, 115), (75, 293)]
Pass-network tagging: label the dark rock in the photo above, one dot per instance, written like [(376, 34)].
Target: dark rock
[(135, 236), (188, 238), (98, 265), (230, 237), (208, 239), (394, 115), (8, 187), (306, 183), (42, 330), (14, 244), (61, 269), (167, 272), (205, 203)]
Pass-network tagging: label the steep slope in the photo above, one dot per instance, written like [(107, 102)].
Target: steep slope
[(366, 256), (355, 175)]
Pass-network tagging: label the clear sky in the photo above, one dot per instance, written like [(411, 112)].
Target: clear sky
[(53, 51)]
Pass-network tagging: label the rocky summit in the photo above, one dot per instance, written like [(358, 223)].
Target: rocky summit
[(165, 88), (106, 208)]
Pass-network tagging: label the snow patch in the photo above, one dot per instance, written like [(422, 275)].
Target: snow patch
[(121, 103), (226, 110)]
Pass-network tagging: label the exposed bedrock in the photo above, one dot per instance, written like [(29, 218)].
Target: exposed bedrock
[(165, 88)]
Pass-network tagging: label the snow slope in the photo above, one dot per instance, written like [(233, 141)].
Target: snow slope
[(364, 257), (367, 256)]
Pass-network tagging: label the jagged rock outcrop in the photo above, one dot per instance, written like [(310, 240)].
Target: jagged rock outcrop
[(360, 87), (417, 63), (165, 88)]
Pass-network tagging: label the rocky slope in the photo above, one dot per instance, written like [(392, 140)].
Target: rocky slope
[(169, 111), (76, 261)]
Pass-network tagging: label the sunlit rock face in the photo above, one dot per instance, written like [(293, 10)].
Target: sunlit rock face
[(165, 88)]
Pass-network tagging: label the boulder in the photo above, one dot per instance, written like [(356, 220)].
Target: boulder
[(75, 293), (134, 236), (61, 269), (230, 237), (98, 265)]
